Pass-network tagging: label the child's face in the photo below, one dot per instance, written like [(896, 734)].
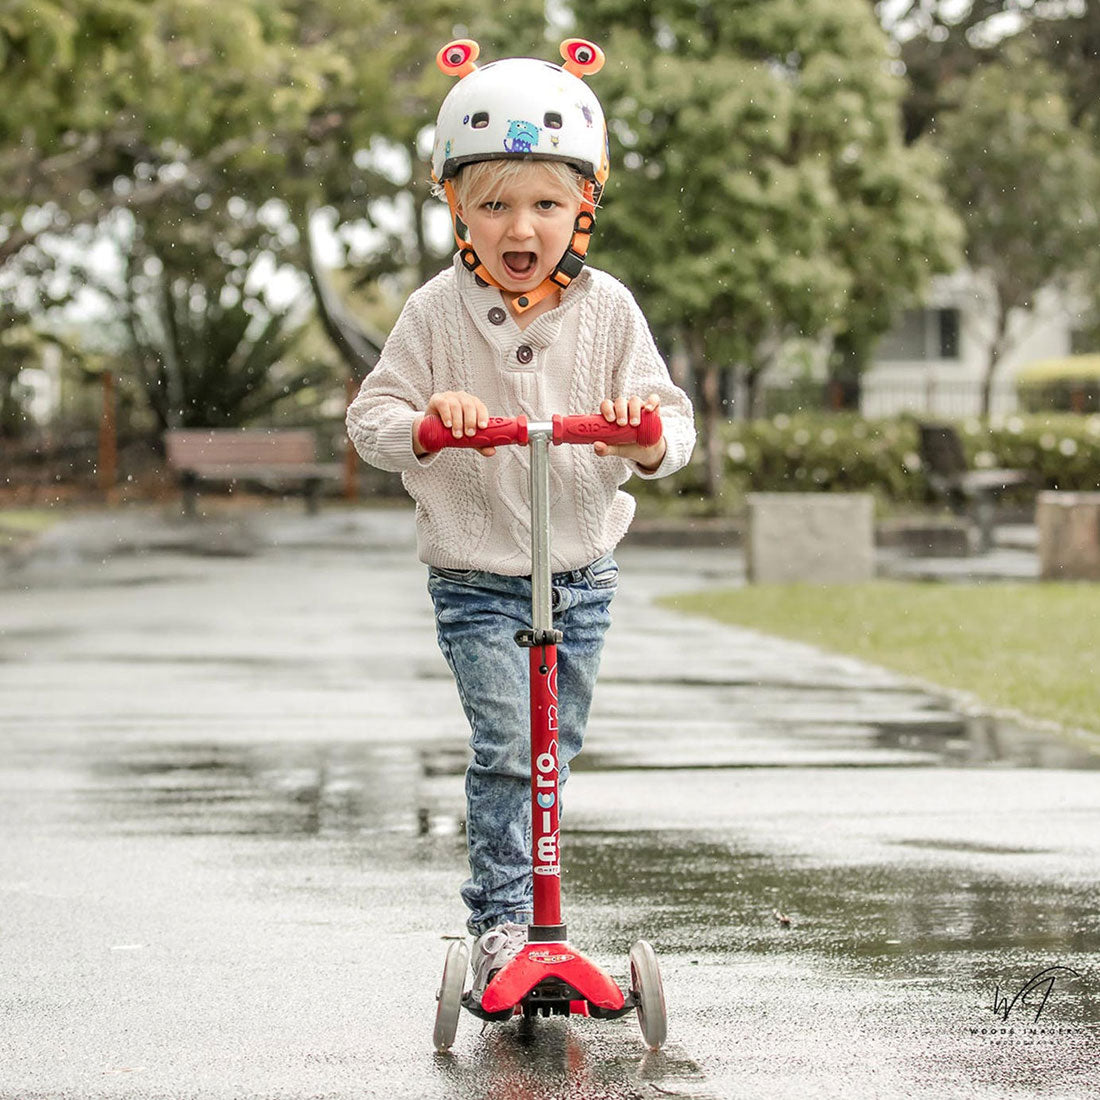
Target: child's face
[(522, 230)]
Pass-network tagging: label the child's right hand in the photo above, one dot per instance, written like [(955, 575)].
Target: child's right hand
[(463, 413)]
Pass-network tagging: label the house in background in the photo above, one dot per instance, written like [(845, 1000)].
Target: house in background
[(933, 360)]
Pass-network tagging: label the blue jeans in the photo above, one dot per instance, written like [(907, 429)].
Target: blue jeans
[(477, 615)]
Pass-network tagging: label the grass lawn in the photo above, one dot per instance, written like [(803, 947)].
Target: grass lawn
[(17, 524), (1034, 648)]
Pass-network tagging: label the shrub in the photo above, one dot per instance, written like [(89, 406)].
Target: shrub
[(842, 452), (1062, 449), (827, 452), (1071, 384)]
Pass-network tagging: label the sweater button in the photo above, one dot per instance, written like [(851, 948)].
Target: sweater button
[(496, 316), (524, 353)]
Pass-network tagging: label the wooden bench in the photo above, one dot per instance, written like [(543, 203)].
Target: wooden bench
[(965, 491), (277, 459)]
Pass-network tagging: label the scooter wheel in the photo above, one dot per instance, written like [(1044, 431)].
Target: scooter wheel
[(645, 980), (449, 997)]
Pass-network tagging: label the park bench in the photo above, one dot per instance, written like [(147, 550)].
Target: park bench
[(281, 459), (966, 492)]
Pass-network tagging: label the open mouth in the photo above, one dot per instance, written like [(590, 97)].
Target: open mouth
[(520, 265)]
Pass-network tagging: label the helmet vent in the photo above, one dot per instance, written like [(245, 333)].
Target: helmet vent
[(552, 120), (480, 120)]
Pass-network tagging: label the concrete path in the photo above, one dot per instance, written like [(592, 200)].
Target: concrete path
[(231, 803)]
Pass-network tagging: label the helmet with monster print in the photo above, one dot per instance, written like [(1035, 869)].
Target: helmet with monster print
[(525, 109), (521, 107)]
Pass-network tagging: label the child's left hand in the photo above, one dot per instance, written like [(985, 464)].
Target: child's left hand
[(628, 410)]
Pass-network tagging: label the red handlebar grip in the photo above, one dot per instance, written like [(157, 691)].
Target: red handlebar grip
[(589, 429), (434, 435)]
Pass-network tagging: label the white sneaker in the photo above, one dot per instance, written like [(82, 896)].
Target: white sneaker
[(493, 950)]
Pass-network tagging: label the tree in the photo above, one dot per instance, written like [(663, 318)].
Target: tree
[(760, 188), (1025, 184), (941, 41), (183, 109), (938, 42), (205, 362), (19, 349)]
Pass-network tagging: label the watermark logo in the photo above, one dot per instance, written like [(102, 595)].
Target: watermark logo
[(1051, 995), (1034, 993)]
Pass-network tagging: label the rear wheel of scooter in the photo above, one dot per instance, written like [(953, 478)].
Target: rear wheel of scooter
[(450, 995), (645, 981)]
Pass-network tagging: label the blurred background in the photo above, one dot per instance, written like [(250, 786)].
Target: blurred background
[(842, 219)]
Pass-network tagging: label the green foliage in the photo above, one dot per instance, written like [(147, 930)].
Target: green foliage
[(1063, 450), (1024, 183), (126, 103), (19, 346), (210, 358), (1068, 368), (760, 189), (842, 452), (1068, 384), (826, 453)]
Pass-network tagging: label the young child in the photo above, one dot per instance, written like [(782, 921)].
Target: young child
[(517, 326)]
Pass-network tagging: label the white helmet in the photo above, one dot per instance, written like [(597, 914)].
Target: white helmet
[(525, 109), (521, 108)]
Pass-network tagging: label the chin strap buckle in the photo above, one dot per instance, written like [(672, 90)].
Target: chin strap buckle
[(571, 264)]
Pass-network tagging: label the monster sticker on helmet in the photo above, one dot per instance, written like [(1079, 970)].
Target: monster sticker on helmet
[(488, 116), (522, 137)]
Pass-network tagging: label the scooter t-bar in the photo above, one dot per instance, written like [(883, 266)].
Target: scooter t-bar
[(434, 435)]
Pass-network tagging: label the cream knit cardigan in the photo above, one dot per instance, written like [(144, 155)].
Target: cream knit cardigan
[(473, 512)]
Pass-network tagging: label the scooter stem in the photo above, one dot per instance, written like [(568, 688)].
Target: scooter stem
[(539, 448), (543, 639)]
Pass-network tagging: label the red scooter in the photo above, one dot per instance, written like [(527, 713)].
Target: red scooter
[(549, 976)]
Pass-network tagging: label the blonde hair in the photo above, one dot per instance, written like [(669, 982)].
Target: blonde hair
[(484, 180)]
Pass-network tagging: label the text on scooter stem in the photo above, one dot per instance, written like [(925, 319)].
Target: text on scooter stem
[(544, 808), (546, 775)]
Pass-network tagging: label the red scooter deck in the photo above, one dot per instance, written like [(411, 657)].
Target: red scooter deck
[(538, 961)]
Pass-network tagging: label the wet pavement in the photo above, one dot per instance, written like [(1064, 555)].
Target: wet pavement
[(231, 807)]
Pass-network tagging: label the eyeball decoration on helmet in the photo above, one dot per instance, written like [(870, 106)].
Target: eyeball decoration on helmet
[(457, 58), (527, 109), (582, 58)]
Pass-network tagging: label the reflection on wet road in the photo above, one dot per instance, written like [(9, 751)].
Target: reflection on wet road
[(910, 944), (231, 803)]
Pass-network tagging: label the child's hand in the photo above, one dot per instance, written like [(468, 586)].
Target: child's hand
[(463, 413), (628, 410)]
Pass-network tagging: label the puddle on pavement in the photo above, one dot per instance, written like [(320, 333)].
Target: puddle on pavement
[(550, 1059), (269, 790), (942, 738), (306, 789), (699, 894), (985, 739), (710, 897)]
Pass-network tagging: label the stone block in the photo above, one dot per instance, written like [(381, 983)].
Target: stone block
[(822, 538), (1069, 535)]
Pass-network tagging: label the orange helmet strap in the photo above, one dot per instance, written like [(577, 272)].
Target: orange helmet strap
[(568, 267)]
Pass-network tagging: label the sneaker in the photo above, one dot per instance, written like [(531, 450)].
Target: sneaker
[(493, 950)]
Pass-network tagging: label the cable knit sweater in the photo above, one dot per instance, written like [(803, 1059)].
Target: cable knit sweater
[(473, 512)]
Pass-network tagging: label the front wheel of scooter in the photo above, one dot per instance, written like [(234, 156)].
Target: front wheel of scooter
[(449, 996), (645, 980)]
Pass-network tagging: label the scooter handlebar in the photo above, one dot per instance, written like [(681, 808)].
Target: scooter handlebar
[(502, 431), (434, 435), (592, 429)]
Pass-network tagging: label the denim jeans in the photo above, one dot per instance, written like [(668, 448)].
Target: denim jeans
[(477, 615)]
